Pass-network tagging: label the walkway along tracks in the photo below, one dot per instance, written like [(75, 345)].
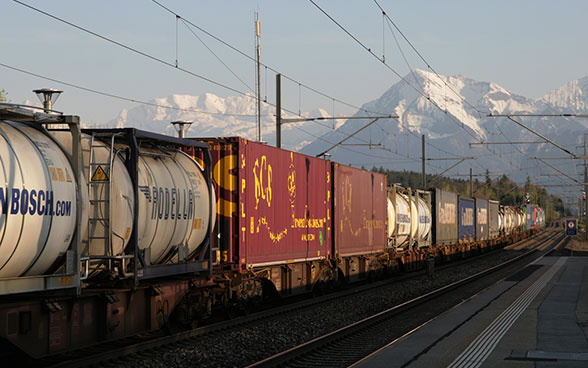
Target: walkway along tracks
[(350, 344)]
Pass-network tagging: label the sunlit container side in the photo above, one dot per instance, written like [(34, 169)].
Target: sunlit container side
[(225, 179), (482, 227), (37, 201), (273, 205), (445, 217), (360, 211), (467, 218), (493, 219)]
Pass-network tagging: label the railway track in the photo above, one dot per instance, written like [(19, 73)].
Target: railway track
[(116, 352), (350, 344)]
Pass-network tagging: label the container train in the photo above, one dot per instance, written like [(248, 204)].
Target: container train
[(105, 233)]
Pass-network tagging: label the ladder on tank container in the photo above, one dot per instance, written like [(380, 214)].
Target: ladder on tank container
[(99, 190)]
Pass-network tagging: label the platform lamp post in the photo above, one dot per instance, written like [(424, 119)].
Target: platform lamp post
[(48, 96), (180, 126)]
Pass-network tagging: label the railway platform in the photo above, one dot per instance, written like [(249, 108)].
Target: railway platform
[(538, 317)]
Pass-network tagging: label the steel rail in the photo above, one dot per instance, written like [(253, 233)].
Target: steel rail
[(145, 342), (323, 343)]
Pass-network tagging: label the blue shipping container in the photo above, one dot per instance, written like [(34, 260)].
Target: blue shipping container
[(467, 218)]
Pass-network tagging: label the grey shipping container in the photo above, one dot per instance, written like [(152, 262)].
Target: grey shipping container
[(445, 224), (493, 223), (482, 231)]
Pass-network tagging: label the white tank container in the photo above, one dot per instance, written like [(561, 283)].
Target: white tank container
[(404, 228), (424, 217), (37, 201), (173, 203)]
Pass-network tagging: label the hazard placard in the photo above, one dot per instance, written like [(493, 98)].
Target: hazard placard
[(99, 175)]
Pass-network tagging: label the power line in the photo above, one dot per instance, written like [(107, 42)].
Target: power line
[(244, 54), (460, 124), (154, 58), (423, 59), (215, 55), (150, 56), (118, 96)]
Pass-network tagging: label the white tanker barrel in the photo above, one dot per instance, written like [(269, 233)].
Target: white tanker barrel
[(37, 201), (424, 216), (403, 219), (173, 203)]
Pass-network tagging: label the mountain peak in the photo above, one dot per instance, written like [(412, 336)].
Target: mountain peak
[(572, 95)]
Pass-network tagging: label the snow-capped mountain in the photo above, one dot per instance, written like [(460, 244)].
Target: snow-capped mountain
[(213, 116), (571, 97), (453, 112)]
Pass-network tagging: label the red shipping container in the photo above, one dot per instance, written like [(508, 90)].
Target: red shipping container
[(360, 212), (273, 205)]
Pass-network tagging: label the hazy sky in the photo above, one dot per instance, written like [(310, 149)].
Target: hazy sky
[(529, 47)]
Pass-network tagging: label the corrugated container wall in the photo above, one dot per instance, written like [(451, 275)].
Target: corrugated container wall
[(482, 231), (359, 210), (467, 218), (273, 205), (493, 220), (445, 224)]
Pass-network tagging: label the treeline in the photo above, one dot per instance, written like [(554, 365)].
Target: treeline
[(502, 189)]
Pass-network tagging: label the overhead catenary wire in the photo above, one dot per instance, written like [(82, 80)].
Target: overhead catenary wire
[(153, 57), (170, 64), (119, 97), (144, 54), (244, 54), (423, 59), (429, 67), (132, 49), (422, 93), (216, 56)]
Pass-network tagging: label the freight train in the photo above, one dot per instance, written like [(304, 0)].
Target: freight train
[(105, 233)]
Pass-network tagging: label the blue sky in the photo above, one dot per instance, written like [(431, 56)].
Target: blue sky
[(528, 47)]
